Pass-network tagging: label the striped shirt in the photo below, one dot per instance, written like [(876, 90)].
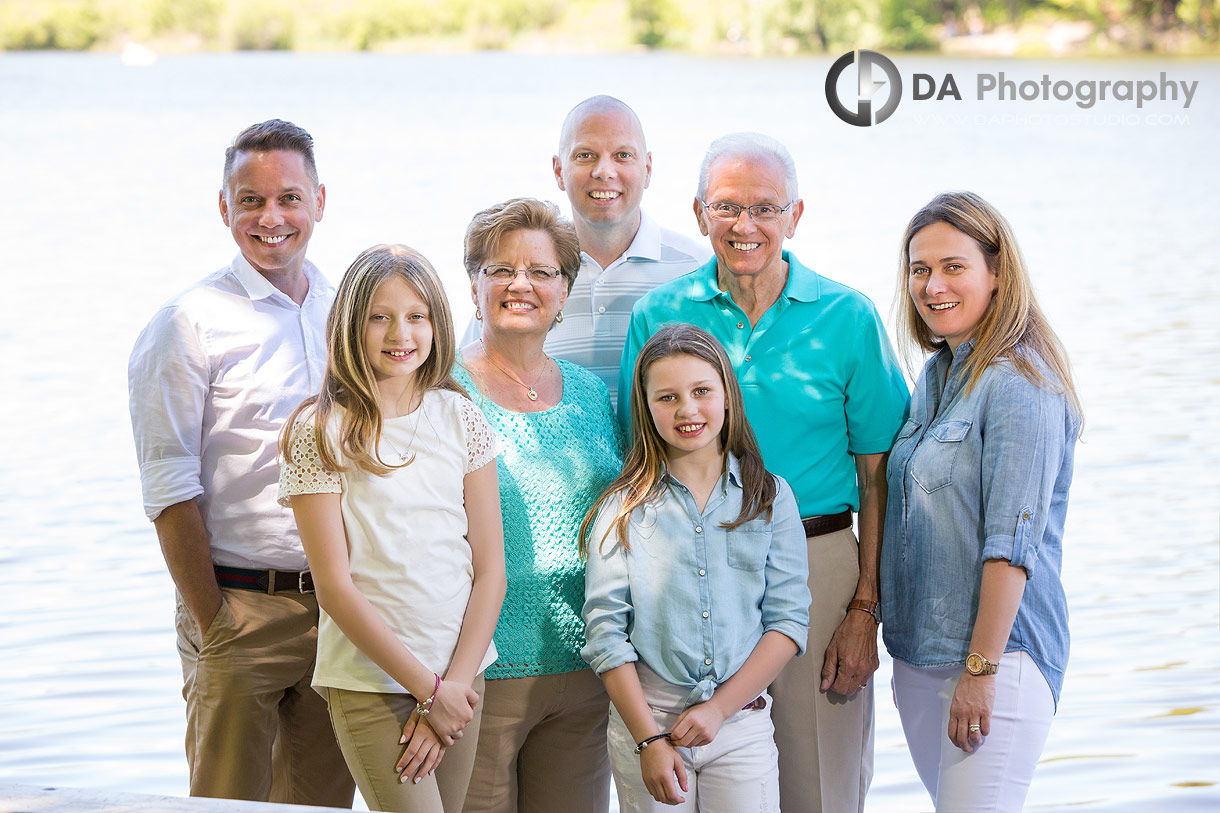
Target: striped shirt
[(598, 309)]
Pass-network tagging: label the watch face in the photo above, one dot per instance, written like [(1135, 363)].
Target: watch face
[(974, 663)]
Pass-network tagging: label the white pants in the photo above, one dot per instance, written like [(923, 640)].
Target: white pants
[(737, 771), (996, 775)]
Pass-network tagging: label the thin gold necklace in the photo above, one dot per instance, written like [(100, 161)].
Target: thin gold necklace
[(530, 392)]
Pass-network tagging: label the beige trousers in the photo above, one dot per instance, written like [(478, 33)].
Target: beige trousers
[(825, 740), (542, 748), (255, 729), (369, 726)]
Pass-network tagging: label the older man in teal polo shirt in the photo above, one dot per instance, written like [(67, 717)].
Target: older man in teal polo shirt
[(825, 396)]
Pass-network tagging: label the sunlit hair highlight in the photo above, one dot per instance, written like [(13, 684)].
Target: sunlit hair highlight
[(268, 136), (349, 381), (643, 476), (488, 227), (1013, 326)]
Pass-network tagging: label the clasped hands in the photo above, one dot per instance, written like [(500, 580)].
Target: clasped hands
[(662, 767), (426, 738)]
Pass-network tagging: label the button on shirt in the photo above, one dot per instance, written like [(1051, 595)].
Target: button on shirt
[(598, 308), (818, 375), (212, 378), (976, 476), (691, 599)]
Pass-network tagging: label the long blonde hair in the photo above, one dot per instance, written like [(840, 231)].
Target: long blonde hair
[(1013, 326), (643, 477), (349, 381)]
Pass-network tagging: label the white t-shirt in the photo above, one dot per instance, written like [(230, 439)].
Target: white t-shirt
[(406, 533)]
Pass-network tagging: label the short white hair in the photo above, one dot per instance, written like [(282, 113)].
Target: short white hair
[(748, 145)]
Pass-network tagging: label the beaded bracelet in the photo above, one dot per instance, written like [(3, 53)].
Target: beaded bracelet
[(639, 748), (424, 707)]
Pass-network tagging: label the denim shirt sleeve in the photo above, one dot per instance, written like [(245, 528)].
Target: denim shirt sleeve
[(1024, 437), (607, 610), (785, 606)]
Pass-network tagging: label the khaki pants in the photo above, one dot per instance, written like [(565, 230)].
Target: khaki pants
[(825, 740), (369, 726), (542, 747), (255, 730)]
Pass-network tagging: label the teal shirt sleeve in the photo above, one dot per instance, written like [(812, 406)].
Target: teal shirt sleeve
[(638, 332), (876, 398)]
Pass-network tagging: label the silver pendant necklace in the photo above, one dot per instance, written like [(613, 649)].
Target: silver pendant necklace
[(403, 456)]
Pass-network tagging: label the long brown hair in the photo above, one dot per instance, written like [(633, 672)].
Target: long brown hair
[(643, 477), (349, 381), (1013, 326)]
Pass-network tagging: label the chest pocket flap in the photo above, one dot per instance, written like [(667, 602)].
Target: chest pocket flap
[(933, 464)]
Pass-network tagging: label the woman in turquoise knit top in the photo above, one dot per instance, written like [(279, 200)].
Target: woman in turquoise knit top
[(542, 746)]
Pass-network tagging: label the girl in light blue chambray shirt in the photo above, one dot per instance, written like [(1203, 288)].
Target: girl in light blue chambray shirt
[(973, 609), (695, 589)]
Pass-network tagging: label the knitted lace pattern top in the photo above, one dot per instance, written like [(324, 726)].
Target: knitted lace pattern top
[(552, 466)]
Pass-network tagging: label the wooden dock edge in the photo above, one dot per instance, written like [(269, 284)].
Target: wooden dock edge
[(53, 799)]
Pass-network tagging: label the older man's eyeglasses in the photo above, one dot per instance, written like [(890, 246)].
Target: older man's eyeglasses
[(505, 274), (759, 212)]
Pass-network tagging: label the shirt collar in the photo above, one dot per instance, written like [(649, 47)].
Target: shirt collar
[(732, 472), (259, 287), (803, 285), (646, 245), (733, 469)]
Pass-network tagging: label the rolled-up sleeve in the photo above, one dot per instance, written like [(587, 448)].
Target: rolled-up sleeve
[(607, 611), (168, 379), (785, 606), (1024, 439)]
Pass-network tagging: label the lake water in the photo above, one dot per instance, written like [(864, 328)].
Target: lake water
[(112, 175)]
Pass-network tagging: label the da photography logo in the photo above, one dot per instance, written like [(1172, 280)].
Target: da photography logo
[(859, 107), (868, 64)]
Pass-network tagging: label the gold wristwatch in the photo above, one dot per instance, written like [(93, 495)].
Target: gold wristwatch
[(977, 665)]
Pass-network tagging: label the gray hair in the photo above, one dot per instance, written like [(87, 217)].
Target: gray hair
[(748, 145)]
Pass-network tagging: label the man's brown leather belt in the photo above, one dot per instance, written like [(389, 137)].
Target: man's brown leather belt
[(826, 524), (265, 581)]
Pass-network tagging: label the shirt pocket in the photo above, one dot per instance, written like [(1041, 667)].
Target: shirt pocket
[(748, 545), (933, 465)]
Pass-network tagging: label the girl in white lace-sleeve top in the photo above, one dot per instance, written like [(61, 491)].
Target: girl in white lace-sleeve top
[(386, 471)]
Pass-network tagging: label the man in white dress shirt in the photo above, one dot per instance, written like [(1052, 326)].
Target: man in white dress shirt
[(604, 166), (212, 379)]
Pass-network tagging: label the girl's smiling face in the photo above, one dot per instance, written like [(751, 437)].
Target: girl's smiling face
[(687, 401), (398, 332)]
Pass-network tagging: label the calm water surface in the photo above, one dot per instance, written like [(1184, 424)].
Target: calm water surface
[(110, 208)]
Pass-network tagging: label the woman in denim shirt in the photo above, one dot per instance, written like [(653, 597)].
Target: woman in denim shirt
[(973, 608)]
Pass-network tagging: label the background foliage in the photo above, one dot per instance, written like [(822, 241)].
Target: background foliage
[(747, 26)]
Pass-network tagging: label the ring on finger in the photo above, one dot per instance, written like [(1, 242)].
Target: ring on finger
[(974, 727)]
